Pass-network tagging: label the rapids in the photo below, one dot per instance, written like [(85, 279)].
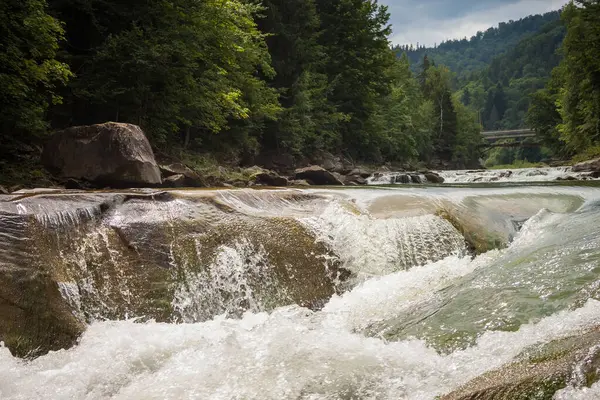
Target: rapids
[(417, 314), (524, 175)]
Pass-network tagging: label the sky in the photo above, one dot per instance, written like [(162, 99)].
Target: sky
[(433, 21)]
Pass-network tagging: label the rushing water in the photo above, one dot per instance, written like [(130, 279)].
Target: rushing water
[(525, 175), (419, 317)]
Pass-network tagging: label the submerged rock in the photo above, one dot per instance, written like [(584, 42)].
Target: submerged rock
[(110, 154), (540, 371), (34, 317), (70, 259)]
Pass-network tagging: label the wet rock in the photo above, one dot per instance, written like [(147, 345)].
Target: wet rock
[(587, 166), (506, 174), (539, 372), (112, 154), (3, 190), (432, 177), (174, 181), (416, 178), (537, 173), (594, 175), (300, 182), (34, 317), (403, 178), (566, 178), (317, 176)]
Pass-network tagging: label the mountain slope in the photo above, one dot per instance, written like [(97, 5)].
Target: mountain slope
[(464, 56)]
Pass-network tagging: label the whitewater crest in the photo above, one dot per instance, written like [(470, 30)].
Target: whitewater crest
[(300, 294), (523, 175)]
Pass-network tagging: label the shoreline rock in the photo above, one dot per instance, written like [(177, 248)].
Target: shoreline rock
[(110, 154)]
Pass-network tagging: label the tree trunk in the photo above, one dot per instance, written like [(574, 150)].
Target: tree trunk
[(186, 142)]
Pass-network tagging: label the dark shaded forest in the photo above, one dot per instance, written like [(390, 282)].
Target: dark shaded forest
[(240, 81), (234, 79)]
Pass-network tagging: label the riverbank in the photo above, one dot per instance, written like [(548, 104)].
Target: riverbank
[(65, 161)]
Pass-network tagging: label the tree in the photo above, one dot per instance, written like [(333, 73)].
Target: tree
[(308, 121), (438, 90), (355, 38), (579, 102), (179, 69), (29, 72)]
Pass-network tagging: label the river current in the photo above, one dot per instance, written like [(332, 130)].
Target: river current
[(422, 315)]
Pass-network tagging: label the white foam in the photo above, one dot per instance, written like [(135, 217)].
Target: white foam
[(374, 247), (575, 393), (290, 354)]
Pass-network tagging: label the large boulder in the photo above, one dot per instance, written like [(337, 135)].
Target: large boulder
[(587, 166), (317, 176), (110, 154)]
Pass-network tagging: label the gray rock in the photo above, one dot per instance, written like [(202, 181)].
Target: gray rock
[(3, 190), (356, 180), (269, 178), (363, 173), (111, 154), (587, 166), (317, 176), (192, 179), (433, 177), (415, 178), (300, 182), (404, 178), (174, 181)]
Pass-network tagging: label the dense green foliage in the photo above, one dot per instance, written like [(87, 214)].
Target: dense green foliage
[(236, 78), (29, 71), (497, 73), (567, 112), (467, 56)]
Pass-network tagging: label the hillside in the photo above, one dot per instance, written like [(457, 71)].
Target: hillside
[(466, 56), (502, 91)]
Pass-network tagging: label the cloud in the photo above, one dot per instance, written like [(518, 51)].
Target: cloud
[(433, 21)]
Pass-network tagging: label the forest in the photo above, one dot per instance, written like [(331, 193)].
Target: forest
[(240, 80), (233, 79)]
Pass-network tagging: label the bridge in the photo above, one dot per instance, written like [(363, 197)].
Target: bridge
[(491, 138)]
